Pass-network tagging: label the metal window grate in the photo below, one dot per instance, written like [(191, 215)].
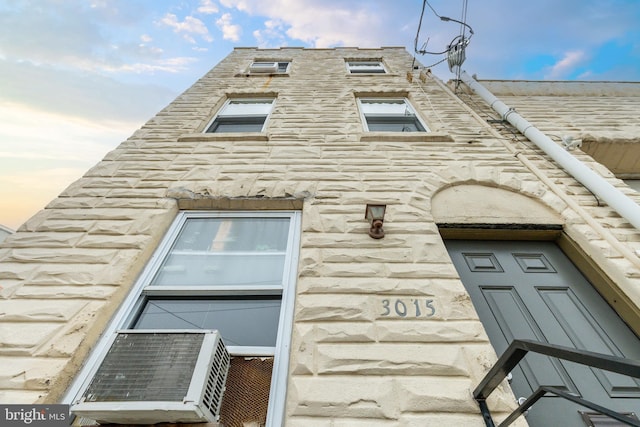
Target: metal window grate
[(247, 396)]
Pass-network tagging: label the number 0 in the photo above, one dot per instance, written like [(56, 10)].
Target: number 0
[(401, 308)]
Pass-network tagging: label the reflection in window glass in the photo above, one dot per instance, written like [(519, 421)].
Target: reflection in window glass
[(251, 321), (633, 183), (242, 115), (226, 251), (365, 67), (390, 115), (269, 67)]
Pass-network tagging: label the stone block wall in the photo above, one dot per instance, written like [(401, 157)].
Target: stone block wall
[(356, 358)]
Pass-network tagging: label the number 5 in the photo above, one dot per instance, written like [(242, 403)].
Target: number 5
[(429, 304)]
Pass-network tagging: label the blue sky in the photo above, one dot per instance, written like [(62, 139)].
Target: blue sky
[(77, 77)]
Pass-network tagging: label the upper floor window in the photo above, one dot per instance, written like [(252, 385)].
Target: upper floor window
[(242, 115), (365, 67), (390, 114), (269, 67), (633, 183)]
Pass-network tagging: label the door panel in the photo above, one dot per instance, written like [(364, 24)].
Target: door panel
[(530, 290), (515, 321), (584, 331)]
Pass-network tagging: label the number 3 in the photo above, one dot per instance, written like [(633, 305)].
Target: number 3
[(385, 305)]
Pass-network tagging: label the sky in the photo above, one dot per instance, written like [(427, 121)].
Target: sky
[(78, 77)]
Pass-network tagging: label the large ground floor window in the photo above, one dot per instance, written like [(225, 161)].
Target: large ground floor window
[(233, 272)]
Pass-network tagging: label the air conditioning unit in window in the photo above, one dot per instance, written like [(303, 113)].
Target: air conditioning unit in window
[(263, 67), (150, 377)]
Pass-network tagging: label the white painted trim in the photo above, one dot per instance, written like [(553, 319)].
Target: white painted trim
[(278, 391)]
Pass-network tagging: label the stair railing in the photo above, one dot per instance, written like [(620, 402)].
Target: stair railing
[(519, 348)]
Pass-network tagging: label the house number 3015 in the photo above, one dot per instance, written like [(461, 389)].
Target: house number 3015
[(409, 307)]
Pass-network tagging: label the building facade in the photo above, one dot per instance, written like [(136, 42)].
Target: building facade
[(241, 207)]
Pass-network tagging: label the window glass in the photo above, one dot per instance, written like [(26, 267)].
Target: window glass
[(404, 124), (390, 115), (359, 67), (386, 107), (246, 115), (633, 183), (226, 251), (246, 108), (269, 67), (283, 67), (234, 125), (251, 321)]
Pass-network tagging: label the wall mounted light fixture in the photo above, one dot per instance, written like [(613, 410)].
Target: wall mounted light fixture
[(375, 215)]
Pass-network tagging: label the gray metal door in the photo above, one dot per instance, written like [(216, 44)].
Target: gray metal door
[(530, 290)]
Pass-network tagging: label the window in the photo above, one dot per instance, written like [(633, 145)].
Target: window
[(365, 67), (242, 115), (230, 271), (269, 67), (390, 114), (633, 183)]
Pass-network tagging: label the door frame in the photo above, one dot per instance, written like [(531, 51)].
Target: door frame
[(603, 284)]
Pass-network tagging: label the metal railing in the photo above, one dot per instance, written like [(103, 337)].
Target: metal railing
[(519, 348)]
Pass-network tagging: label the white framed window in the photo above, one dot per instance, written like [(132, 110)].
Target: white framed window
[(269, 67), (242, 115), (390, 114), (633, 183), (230, 271), (366, 67)]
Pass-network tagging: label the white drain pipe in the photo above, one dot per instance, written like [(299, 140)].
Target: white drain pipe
[(625, 207)]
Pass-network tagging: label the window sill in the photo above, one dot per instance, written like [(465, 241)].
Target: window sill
[(261, 75), (228, 136), (209, 424), (405, 136), (373, 74)]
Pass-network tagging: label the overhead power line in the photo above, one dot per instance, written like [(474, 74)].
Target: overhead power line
[(455, 49)]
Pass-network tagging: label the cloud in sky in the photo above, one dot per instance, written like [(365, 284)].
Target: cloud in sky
[(511, 44), (207, 7), (229, 31), (565, 66), (317, 23), (79, 76), (189, 27), (272, 35)]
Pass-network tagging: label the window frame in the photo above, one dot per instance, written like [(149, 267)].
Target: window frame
[(278, 64), (131, 307), (241, 119), (374, 66), (390, 100)]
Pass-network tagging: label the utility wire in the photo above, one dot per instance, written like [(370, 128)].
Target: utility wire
[(461, 39), (415, 44), (431, 7)]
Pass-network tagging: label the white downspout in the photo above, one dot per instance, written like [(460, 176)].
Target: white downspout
[(623, 205)]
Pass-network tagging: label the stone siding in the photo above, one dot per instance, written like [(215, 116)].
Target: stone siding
[(64, 272)]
